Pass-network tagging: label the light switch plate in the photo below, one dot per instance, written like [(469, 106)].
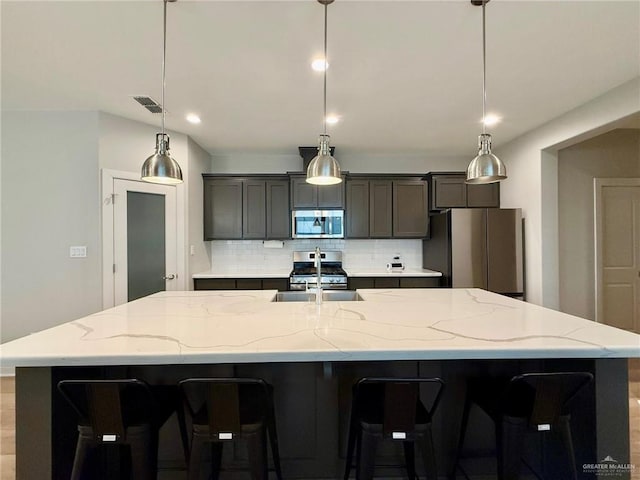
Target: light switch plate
[(78, 252)]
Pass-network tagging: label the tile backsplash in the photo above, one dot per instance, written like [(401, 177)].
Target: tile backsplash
[(251, 255)]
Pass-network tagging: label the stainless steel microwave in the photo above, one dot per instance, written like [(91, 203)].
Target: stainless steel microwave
[(317, 224)]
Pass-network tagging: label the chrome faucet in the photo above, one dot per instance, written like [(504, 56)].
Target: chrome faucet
[(318, 276)]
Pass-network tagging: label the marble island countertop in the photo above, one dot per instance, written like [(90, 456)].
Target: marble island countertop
[(246, 326)]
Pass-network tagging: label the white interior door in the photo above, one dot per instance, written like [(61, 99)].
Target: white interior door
[(618, 253), (145, 240)]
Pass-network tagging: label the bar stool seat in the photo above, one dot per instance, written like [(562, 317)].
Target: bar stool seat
[(226, 410), (121, 413), (536, 402), (385, 408)]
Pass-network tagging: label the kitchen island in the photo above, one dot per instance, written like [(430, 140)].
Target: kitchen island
[(320, 348)]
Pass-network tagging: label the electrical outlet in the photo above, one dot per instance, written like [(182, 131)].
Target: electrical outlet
[(78, 252)]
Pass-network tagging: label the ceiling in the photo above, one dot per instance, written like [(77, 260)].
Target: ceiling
[(405, 76)]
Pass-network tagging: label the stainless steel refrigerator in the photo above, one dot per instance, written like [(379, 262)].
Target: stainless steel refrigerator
[(477, 247)]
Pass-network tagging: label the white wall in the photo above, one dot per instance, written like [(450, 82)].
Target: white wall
[(353, 163), (200, 259), (531, 161), (614, 155), (50, 202)]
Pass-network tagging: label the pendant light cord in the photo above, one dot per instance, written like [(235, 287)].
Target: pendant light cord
[(326, 66), (164, 56), (484, 72)]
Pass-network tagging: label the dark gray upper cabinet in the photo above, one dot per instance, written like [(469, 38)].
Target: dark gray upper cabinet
[(449, 190), (245, 207), (254, 218), (357, 209), (410, 215), (306, 195), (222, 208), (379, 207), (278, 216)]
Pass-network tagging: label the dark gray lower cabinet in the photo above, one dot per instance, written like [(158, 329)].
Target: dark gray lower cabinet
[(393, 282), (281, 284)]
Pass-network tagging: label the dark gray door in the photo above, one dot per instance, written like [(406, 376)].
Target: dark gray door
[(449, 192), (380, 205), (254, 209), (504, 250), (222, 209), (331, 196), (357, 209), (484, 195), (303, 194), (410, 216), (278, 213)]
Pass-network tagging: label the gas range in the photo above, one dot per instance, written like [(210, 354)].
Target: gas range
[(304, 272)]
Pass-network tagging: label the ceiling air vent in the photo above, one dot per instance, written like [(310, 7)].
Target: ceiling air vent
[(148, 103)]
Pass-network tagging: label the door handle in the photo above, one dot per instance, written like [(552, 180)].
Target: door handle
[(171, 276)]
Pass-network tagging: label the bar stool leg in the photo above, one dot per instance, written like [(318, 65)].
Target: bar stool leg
[(463, 432), (367, 455), (257, 446), (410, 459), (141, 445), (429, 455), (509, 435), (273, 439), (564, 428), (216, 459), (83, 447), (195, 456), (351, 441)]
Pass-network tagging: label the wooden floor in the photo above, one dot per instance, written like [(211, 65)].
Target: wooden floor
[(8, 419)]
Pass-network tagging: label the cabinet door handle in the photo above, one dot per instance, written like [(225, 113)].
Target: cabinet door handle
[(171, 276)]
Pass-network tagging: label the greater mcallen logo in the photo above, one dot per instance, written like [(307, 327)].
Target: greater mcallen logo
[(608, 466)]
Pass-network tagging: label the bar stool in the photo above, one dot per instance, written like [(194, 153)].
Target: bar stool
[(537, 402), (116, 413), (390, 409), (226, 410)]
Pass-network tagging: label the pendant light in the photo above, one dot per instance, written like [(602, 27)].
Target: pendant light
[(160, 167), (486, 167), (323, 168)]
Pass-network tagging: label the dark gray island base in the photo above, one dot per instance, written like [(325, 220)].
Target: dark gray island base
[(312, 413)]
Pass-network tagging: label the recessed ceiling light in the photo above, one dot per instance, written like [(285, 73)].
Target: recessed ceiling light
[(491, 119), (332, 119), (319, 65), (193, 118)]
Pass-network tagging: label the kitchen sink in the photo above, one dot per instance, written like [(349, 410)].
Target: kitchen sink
[(327, 296)]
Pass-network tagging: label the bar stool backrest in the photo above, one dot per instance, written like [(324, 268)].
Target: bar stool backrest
[(548, 395), (109, 406), (218, 402), (400, 392)]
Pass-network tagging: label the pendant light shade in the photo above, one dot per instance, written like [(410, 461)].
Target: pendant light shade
[(160, 167), (485, 167), (323, 168)]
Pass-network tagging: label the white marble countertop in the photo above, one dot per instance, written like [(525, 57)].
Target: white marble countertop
[(235, 273), (245, 326), (382, 272)]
